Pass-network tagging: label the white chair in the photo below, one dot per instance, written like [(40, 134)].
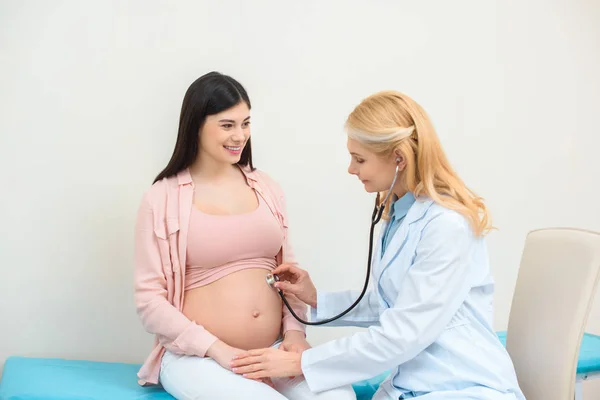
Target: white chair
[(556, 286)]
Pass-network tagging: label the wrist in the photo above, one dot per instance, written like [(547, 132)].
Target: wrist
[(293, 334), (215, 348)]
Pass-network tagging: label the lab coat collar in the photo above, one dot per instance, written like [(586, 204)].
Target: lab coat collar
[(401, 205), (418, 209), (416, 212)]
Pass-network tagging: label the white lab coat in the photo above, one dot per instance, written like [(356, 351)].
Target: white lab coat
[(429, 318)]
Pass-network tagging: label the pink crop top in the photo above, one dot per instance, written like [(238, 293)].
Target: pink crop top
[(219, 245)]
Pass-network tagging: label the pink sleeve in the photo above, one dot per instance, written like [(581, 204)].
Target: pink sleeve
[(175, 331)]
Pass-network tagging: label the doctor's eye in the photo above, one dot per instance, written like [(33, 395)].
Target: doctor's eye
[(359, 161)]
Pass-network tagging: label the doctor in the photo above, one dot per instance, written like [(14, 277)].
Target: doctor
[(429, 314)]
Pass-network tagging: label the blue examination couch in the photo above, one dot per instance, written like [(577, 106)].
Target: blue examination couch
[(57, 379)]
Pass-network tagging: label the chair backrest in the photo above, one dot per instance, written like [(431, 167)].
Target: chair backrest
[(555, 289)]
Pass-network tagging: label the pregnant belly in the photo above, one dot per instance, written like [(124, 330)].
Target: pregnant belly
[(240, 309)]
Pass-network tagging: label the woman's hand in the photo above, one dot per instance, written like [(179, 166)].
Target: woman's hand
[(267, 363), (223, 353), (297, 282), (294, 341)]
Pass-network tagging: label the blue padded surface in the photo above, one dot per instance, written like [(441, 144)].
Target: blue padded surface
[(366, 389), (56, 379), (589, 353)]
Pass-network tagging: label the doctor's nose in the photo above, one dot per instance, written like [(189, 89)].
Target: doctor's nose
[(352, 170)]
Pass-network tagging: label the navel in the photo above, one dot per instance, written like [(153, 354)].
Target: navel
[(255, 313)]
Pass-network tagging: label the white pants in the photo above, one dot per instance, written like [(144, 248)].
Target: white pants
[(197, 378)]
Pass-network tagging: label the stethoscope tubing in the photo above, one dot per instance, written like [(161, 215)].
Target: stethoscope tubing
[(375, 218)]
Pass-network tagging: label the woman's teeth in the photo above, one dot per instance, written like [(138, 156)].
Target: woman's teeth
[(233, 148)]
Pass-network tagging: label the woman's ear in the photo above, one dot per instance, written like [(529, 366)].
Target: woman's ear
[(400, 161)]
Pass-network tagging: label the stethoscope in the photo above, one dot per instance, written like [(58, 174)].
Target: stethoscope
[(375, 218)]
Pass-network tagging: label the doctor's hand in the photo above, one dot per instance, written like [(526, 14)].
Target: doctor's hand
[(267, 363), (296, 281)]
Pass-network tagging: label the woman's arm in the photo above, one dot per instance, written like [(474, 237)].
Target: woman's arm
[(289, 323), (430, 295), (175, 331)]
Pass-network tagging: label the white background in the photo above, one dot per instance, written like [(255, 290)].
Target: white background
[(90, 94)]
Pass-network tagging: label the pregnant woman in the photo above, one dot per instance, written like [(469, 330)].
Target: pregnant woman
[(207, 232)]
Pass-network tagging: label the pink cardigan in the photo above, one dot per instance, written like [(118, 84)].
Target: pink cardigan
[(160, 250)]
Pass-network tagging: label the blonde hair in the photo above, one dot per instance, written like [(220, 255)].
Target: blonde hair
[(390, 121)]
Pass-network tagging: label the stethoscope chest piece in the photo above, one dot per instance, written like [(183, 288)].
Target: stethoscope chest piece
[(271, 280)]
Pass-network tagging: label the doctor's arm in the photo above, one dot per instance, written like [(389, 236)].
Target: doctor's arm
[(296, 282), (329, 304), (430, 295)]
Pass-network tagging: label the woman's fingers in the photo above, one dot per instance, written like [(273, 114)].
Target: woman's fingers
[(266, 381)]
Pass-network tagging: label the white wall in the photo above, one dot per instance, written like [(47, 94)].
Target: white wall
[(90, 96)]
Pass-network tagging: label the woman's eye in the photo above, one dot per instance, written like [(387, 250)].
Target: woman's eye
[(246, 124), (227, 126)]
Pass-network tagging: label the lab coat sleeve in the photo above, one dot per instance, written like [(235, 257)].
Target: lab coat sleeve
[(431, 293), (365, 314)]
